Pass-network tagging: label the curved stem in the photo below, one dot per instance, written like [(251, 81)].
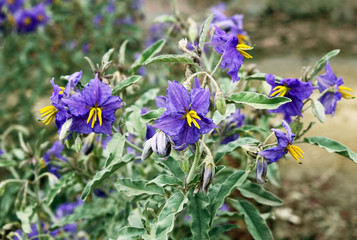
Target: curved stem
[(129, 144), (194, 164), (219, 63)]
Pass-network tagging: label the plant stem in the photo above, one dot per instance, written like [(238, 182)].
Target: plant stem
[(266, 140), (129, 144), (219, 63), (194, 164), (38, 201)]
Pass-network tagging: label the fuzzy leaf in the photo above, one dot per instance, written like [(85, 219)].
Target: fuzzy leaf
[(152, 115), (198, 210), (122, 52), (318, 110), (103, 174), (332, 146), (24, 216), (217, 117), (322, 62), (173, 167), (132, 187), (65, 128), (217, 231), (258, 101), (165, 222), (147, 54), (204, 30), (164, 180), (273, 175), (63, 182), (230, 147), (260, 76), (259, 194), (115, 147), (172, 58), (146, 97), (130, 233), (255, 223), (126, 83), (106, 56)]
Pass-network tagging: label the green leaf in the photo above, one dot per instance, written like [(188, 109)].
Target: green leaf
[(217, 117), (217, 231), (166, 220), (217, 199), (332, 146), (260, 76), (322, 63), (318, 110), (106, 56), (63, 182), (152, 115), (126, 83), (164, 180), (258, 101), (134, 123), (122, 52), (24, 216), (132, 187), (130, 233), (255, 223), (230, 147), (165, 18), (198, 210), (115, 147), (259, 194), (103, 174), (146, 97), (7, 163), (172, 58), (147, 54), (204, 30), (173, 167), (273, 175)]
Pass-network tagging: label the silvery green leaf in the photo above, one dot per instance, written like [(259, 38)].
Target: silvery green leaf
[(204, 30), (258, 101), (122, 52), (260, 76), (173, 167), (115, 147), (65, 127), (165, 18), (230, 147), (131, 187), (152, 115), (322, 62), (171, 58), (63, 182), (318, 110), (146, 97), (165, 180), (130, 233), (259, 194), (217, 117), (24, 216), (106, 56), (126, 83), (198, 205)]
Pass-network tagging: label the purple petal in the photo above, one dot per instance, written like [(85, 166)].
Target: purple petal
[(206, 124), (273, 154), (76, 105), (177, 99), (112, 103), (291, 135), (170, 123), (200, 100), (283, 140), (188, 135), (96, 92), (160, 102)]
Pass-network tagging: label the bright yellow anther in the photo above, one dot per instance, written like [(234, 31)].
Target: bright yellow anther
[(241, 48), (93, 114), (344, 94), (242, 38), (48, 114), (295, 151), (27, 21), (61, 92), (191, 117), (280, 91)]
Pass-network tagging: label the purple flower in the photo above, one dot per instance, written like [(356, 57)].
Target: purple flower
[(14, 5), (111, 6), (218, 11), (54, 153), (160, 101), (39, 11), (93, 109), (98, 20), (261, 170), (25, 21), (185, 118), (291, 88), (224, 207), (233, 51), (236, 120), (285, 145), (65, 209), (330, 98)]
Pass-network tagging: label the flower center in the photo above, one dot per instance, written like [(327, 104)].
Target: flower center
[(280, 91), (48, 113), (27, 21), (94, 112), (61, 92), (344, 94), (295, 151), (241, 48), (40, 17), (242, 38), (191, 116)]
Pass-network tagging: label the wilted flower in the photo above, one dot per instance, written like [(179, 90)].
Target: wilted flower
[(185, 118), (93, 109), (291, 88), (285, 145), (54, 153), (233, 51), (330, 98), (234, 121)]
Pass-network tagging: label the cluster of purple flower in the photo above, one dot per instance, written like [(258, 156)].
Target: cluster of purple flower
[(23, 20), (91, 110)]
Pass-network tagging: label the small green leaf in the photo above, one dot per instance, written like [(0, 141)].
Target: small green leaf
[(165, 18), (166, 220), (122, 52), (260, 76), (273, 175), (126, 83), (106, 56), (198, 210), (173, 167), (132, 187), (164, 180), (217, 199), (217, 117), (172, 58), (115, 147), (318, 110), (147, 54), (24, 216), (322, 63), (146, 97), (255, 223), (65, 127), (152, 115), (217, 231), (7, 163), (130, 233), (105, 173), (134, 123), (258, 101), (259, 194), (332, 146), (230, 147), (204, 30), (63, 182)]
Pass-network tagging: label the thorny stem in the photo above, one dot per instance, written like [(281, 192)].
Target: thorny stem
[(194, 164), (129, 144)]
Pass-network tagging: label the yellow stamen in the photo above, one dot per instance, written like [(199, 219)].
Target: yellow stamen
[(62, 88), (27, 21), (280, 91), (241, 48), (295, 151), (242, 38), (94, 112), (40, 17), (48, 114), (344, 94), (191, 117)]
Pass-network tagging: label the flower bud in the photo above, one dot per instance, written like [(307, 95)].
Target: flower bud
[(161, 144), (251, 150), (207, 176), (220, 102), (88, 144), (262, 167), (182, 44), (147, 150)]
